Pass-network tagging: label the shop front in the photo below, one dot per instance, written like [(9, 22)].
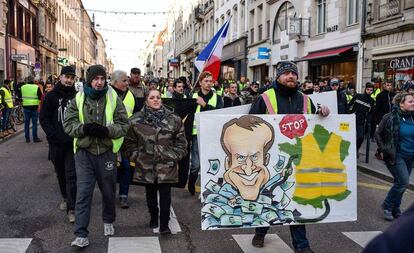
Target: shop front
[(398, 70), (338, 62), (21, 60), (233, 62)]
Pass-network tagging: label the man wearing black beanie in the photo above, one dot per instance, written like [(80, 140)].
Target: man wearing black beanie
[(97, 120), (284, 97)]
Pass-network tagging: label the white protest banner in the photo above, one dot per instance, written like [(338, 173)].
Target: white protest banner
[(327, 98), (263, 170)]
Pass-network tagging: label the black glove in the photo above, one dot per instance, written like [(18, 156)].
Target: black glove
[(88, 129), (94, 129), (101, 131)]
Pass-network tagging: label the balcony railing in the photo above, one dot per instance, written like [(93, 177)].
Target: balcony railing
[(389, 9)]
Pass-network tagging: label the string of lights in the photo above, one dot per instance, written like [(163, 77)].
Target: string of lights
[(129, 12), (123, 31)]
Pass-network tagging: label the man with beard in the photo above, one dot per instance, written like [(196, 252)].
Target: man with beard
[(136, 86), (52, 115), (285, 98), (231, 99), (307, 87), (362, 105)]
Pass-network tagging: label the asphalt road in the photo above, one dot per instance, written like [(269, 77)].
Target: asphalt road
[(29, 209)]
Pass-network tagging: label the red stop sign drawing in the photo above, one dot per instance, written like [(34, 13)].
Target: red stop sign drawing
[(293, 125)]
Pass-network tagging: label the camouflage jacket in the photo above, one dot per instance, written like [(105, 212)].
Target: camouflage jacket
[(155, 150)]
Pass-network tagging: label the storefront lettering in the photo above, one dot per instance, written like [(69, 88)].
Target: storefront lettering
[(402, 63)]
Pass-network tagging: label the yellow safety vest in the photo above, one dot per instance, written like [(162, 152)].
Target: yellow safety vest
[(348, 98), (129, 103), (220, 91), (241, 86), (110, 107), (270, 96), (29, 95), (7, 97), (212, 101)]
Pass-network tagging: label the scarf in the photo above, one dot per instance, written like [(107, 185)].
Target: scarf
[(94, 94), (154, 118), (286, 91)]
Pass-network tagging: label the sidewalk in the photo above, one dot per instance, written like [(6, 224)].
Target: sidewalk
[(376, 167), (20, 129)]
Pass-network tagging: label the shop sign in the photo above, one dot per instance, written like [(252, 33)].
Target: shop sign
[(402, 62), (18, 57), (174, 62), (263, 53), (333, 28)]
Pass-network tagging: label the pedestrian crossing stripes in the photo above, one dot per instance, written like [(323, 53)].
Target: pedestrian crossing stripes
[(134, 244), (151, 244), (362, 238), (14, 245), (273, 243)]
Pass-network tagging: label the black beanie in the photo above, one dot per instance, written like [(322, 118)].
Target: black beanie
[(286, 66), (94, 71)]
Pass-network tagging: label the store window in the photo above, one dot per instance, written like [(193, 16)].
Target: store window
[(285, 12), (352, 12), (398, 70), (343, 70)]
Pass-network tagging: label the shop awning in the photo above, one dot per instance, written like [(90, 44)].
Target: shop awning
[(325, 53)]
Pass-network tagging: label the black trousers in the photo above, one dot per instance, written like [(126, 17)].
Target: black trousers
[(164, 191), (63, 160)]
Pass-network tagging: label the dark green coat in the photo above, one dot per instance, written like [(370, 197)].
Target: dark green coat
[(156, 150)]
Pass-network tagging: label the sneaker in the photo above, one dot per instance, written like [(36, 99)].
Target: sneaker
[(71, 216), (80, 242), (388, 215), (37, 140), (109, 229), (63, 206), (165, 230), (307, 250), (124, 203), (258, 241)]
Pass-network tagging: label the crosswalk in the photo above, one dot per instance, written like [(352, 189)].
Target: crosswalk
[(151, 244)]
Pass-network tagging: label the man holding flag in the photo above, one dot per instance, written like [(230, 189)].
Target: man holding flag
[(208, 63)]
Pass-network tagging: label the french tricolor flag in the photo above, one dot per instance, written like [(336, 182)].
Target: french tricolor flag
[(210, 58)]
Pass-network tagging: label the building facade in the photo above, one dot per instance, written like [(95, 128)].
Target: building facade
[(388, 37), (21, 39), (48, 48), (234, 55), (3, 27)]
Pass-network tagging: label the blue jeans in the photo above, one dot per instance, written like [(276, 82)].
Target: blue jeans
[(30, 114), (124, 178), (401, 171), (195, 156), (5, 121), (297, 232)]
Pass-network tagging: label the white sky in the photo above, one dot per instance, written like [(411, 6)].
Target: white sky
[(124, 48)]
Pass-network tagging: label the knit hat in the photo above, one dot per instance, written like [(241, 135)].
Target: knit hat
[(94, 71), (286, 66), (68, 70)]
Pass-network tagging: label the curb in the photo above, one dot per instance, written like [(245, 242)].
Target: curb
[(18, 132), (380, 175)]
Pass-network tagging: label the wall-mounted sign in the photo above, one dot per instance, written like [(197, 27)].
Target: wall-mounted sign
[(18, 57), (332, 29), (174, 62), (263, 53)]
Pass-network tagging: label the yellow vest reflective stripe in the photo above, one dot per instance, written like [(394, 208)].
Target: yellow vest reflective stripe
[(8, 98), (29, 95), (129, 103), (110, 107), (375, 94), (269, 96), (212, 101)]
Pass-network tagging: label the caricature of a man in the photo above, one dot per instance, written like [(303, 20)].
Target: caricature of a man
[(246, 142)]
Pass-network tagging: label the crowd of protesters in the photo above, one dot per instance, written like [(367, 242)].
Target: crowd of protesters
[(88, 122)]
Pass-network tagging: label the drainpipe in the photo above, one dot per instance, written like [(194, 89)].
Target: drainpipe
[(361, 58)]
